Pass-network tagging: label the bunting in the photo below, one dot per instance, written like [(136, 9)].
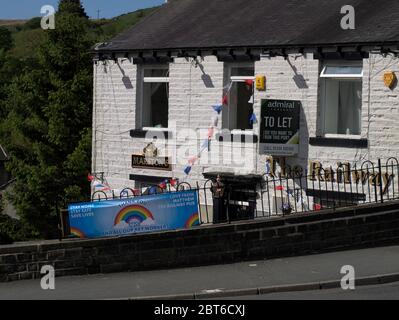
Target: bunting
[(214, 123)]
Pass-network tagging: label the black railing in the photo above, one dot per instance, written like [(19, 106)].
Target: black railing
[(290, 192)]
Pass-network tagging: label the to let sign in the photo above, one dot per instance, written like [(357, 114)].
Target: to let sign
[(279, 131)]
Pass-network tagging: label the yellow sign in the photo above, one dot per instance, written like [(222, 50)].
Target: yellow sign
[(260, 83), (390, 79)]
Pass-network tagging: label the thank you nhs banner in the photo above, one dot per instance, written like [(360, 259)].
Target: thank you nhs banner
[(279, 131), (178, 210)]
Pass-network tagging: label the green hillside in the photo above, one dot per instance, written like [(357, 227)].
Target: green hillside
[(112, 27), (12, 23), (28, 35)]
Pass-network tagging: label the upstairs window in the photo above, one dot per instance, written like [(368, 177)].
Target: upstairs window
[(341, 99), (154, 97), (240, 101)]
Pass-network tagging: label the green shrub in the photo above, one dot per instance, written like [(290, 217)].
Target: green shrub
[(33, 23)]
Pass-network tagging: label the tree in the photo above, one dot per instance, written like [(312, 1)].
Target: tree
[(6, 41), (72, 6), (31, 24), (47, 130)]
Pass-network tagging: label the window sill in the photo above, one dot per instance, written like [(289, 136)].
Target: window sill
[(339, 141), (154, 132), (342, 136), (232, 137)]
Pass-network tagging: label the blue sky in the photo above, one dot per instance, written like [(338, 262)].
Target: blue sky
[(26, 9)]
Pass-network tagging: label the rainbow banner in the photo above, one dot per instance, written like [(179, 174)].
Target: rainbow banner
[(168, 211)]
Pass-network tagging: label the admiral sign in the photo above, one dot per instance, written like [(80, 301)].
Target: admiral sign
[(279, 131)]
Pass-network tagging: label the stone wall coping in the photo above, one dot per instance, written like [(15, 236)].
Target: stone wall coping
[(359, 211)]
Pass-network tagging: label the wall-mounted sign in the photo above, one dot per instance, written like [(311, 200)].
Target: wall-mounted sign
[(390, 79), (150, 160), (279, 131), (261, 83)]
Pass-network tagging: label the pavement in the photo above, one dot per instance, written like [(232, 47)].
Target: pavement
[(234, 280), (374, 292)]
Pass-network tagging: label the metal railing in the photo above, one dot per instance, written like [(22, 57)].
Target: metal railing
[(290, 193)]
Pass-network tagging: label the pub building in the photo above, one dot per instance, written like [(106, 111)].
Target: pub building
[(248, 89)]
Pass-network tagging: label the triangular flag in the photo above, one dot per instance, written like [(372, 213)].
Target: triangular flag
[(153, 190), (173, 182), (215, 121), (187, 170), (192, 160), (218, 108), (205, 145), (211, 131), (253, 118), (251, 100), (249, 82), (99, 186), (225, 100)]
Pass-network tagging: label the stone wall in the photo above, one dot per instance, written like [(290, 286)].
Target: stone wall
[(361, 226)]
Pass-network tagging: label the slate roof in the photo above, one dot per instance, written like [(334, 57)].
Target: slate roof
[(200, 24)]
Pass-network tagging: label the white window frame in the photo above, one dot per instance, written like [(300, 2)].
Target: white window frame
[(340, 76), (140, 88), (235, 79), (324, 77)]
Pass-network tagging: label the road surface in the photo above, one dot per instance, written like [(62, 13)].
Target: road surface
[(276, 272)]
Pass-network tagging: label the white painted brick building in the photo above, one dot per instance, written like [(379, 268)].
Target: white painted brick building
[(191, 107)]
